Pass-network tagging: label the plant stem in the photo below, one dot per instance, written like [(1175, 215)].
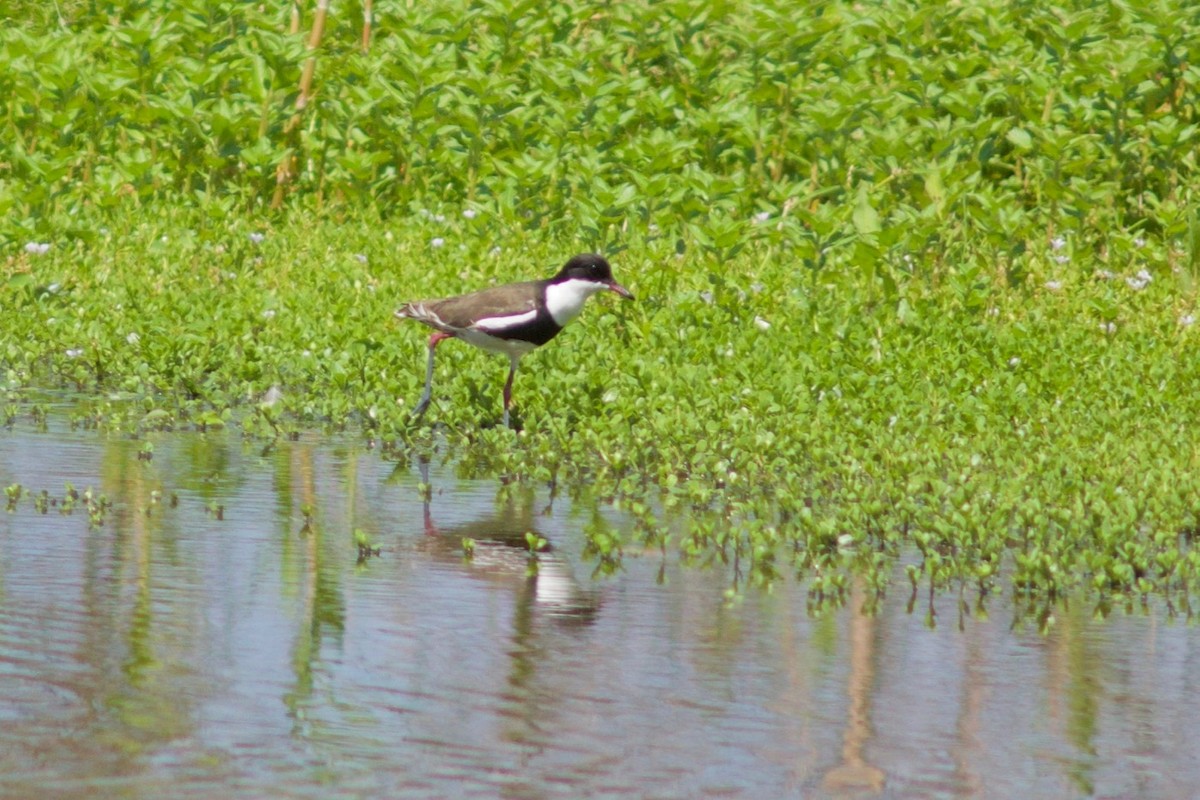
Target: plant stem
[(287, 165)]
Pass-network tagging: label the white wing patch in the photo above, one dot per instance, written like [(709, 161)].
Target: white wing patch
[(498, 324)]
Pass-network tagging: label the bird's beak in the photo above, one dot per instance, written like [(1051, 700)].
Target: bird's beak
[(621, 290)]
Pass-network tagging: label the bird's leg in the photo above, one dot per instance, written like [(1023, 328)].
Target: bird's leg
[(512, 370), (423, 403)]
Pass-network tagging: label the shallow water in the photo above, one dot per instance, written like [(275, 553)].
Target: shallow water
[(169, 653)]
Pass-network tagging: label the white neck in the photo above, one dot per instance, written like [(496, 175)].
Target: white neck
[(565, 300)]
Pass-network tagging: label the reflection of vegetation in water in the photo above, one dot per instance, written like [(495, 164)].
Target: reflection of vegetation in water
[(313, 563), (1073, 671), (144, 701), (854, 772), (144, 705)]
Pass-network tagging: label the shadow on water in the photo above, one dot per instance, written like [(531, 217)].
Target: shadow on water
[(162, 649)]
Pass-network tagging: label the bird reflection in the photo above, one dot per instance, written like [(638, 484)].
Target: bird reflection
[(501, 556)]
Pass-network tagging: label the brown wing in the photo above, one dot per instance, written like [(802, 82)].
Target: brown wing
[(463, 311)]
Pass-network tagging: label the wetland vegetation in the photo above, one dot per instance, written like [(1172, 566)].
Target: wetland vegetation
[(910, 279)]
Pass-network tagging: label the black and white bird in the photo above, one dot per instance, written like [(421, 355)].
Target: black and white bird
[(514, 318)]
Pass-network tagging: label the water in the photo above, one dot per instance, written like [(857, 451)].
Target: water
[(169, 653)]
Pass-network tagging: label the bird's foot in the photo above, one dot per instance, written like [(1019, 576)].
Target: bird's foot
[(422, 405)]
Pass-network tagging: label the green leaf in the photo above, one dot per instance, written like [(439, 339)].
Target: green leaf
[(1019, 138), (866, 218)]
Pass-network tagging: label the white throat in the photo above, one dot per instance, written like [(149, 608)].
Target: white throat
[(565, 300)]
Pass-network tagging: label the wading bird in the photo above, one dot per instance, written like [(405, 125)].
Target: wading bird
[(514, 318)]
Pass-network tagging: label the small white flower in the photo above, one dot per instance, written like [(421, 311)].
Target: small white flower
[(762, 324), (437, 242), (1054, 286), (269, 314), (165, 239), (360, 258), (1139, 281), (1187, 320), (1058, 243), (439, 217), (1014, 362), (469, 213), (37, 248), (610, 396), (707, 297), (755, 288), (1108, 327), (1139, 242), (133, 338), (1105, 274), (761, 217), (653, 227), (495, 251), (257, 237), (75, 352), (273, 396), (1062, 259)]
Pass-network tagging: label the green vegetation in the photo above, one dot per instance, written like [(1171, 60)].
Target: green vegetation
[(97, 505), (909, 277), (366, 548)]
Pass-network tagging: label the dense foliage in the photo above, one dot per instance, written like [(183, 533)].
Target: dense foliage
[(909, 275), (874, 121)]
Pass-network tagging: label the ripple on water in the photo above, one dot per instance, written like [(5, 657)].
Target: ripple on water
[(173, 654)]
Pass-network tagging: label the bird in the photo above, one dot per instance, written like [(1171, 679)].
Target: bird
[(514, 318)]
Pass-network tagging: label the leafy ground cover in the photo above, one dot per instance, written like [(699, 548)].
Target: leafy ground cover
[(917, 277)]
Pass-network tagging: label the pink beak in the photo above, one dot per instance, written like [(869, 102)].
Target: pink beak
[(621, 290)]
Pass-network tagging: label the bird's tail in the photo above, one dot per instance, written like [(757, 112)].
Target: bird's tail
[(421, 312), (410, 311)]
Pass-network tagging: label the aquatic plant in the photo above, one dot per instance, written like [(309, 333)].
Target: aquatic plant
[(911, 281), (366, 548)]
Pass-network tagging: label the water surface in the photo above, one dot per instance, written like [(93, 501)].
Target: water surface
[(175, 651)]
